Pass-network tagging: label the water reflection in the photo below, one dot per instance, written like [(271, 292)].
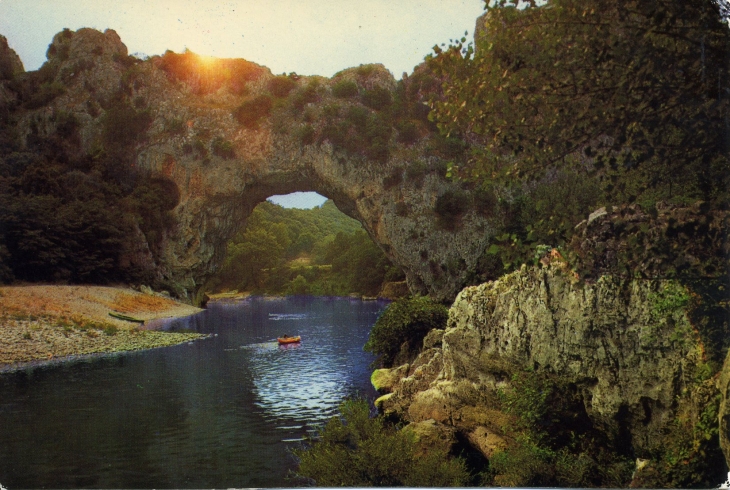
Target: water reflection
[(217, 413)]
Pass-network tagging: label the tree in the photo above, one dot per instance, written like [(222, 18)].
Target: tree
[(249, 258), (635, 92)]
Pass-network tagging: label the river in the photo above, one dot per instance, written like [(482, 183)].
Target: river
[(220, 412)]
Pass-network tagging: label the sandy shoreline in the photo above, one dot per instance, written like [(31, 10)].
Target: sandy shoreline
[(42, 324)]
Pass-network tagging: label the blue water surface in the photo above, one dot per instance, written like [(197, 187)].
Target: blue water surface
[(220, 412)]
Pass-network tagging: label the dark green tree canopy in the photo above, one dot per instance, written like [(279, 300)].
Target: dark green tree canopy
[(610, 87)]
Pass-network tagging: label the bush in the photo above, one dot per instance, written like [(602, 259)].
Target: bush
[(305, 135), (377, 132), (377, 98), (344, 89), (297, 286), (253, 110), (357, 116), (125, 126), (223, 148), (356, 450), (450, 207), (402, 327), (281, 85), (305, 95), (45, 94), (407, 132)]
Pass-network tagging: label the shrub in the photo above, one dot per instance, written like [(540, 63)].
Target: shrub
[(281, 85), (305, 135), (377, 132), (305, 95), (407, 132), (365, 71), (331, 111), (344, 89), (45, 94), (357, 116), (485, 201), (124, 125), (297, 286), (394, 179), (447, 147), (416, 170), (377, 98), (175, 126), (223, 148), (450, 207), (526, 464), (253, 110), (402, 327), (356, 450)]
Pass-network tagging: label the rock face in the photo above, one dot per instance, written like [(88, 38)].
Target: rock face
[(10, 63), (623, 348), (312, 135)]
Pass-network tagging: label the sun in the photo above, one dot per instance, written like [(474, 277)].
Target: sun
[(207, 62)]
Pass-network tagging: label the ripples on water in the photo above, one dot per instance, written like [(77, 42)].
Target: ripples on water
[(220, 412)]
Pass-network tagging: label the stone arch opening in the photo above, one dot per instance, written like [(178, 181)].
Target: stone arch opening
[(218, 197), (307, 249)]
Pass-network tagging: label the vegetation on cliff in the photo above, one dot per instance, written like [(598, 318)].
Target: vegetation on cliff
[(316, 251), (67, 214), (357, 450), (399, 331), (599, 104)]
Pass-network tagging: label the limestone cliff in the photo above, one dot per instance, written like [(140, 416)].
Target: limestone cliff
[(619, 361), (229, 134)]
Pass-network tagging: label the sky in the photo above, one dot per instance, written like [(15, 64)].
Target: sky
[(309, 37)]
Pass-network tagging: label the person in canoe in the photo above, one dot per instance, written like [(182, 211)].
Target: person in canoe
[(287, 339)]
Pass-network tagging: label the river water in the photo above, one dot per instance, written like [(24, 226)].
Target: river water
[(220, 412)]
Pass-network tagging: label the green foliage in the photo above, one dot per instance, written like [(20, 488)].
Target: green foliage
[(525, 465), (124, 126), (402, 327), (634, 89), (251, 111), (47, 92), (377, 98), (360, 132), (344, 89), (408, 132), (357, 450), (306, 135), (671, 298), (66, 216), (554, 447), (223, 148), (175, 126), (305, 95), (281, 85), (690, 454), (301, 251)]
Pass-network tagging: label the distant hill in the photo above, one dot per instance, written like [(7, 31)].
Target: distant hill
[(303, 251)]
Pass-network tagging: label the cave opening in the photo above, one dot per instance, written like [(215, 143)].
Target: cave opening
[(301, 244)]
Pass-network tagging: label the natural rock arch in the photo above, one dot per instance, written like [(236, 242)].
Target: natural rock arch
[(332, 136)]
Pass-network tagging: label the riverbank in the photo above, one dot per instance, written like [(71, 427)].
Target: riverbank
[(46, 323)]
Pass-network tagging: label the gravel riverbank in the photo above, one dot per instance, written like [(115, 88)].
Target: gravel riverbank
[(47, 323)]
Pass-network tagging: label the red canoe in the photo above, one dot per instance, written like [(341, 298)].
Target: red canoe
[(289, 340)]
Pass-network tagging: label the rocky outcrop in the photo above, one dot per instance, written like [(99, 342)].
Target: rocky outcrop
[(333, 136), (10, 63), (623, 351)]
